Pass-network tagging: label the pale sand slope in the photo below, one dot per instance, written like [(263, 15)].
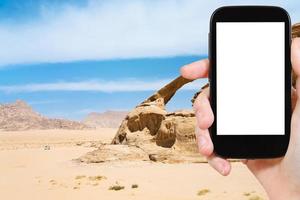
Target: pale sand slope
[(29, 172)]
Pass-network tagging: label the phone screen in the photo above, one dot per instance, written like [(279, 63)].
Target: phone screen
[(250, 63)]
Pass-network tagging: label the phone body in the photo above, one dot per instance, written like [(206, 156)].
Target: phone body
[(250, 81)]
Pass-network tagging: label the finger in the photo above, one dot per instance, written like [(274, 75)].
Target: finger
[(195, 70), (219, 164), (203, 111), (205, 145), (295, 55)]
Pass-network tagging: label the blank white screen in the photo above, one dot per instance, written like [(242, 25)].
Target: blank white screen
[(250, 78)]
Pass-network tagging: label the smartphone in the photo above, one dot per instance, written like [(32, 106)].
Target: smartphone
[(250, 81)]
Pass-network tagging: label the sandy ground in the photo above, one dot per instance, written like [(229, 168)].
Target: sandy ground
[(29, 172)]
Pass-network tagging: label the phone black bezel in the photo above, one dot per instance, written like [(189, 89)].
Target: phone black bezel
[(250, 146)]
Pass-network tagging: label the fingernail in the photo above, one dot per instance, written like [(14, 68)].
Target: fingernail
[(224, 169), (184, 66)]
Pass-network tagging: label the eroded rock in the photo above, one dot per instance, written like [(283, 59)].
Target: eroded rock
[(150, 133)]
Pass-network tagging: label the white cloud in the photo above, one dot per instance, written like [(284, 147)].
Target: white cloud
[(97, 86), (115, 29)]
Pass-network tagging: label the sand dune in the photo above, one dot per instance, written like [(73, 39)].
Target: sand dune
[(29, 171)]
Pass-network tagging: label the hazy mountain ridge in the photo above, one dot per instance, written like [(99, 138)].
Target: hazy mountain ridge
[(20, 116), (107, 119)]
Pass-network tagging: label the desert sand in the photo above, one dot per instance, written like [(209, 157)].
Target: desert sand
[(42, 165)]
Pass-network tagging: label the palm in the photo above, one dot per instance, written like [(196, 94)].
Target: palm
[(288, 166)]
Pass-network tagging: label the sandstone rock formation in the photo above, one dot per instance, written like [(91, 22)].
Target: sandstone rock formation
[(150, 130), (20, 116), (150, 113), (108, 119)]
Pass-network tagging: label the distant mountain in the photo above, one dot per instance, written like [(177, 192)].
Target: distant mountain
[(20, 116), (108, 119)]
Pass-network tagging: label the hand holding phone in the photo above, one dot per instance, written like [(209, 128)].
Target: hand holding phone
[(279, 176)]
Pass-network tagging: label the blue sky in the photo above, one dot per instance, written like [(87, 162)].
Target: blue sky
[(97, 85), (69, 58)]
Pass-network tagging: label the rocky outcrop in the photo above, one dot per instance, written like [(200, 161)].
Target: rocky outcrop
[(107, 153), (149, 132), (20, 116), (150, 113), (142, 117), (140, 146), (178, 131)]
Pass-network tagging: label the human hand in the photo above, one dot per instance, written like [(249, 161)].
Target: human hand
[(280, 177)]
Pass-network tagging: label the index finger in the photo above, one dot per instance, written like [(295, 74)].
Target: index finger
[(195, 70)]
